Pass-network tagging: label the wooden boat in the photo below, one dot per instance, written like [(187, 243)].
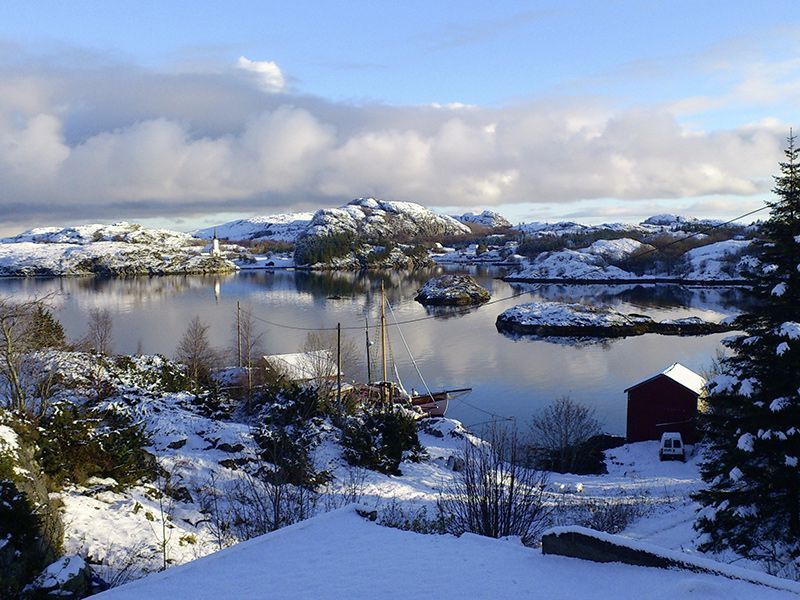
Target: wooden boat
[(435, 404)]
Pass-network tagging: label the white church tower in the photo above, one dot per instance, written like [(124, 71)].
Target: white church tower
[(215, 245)]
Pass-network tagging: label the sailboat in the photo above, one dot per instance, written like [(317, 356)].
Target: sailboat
[(433, 404)]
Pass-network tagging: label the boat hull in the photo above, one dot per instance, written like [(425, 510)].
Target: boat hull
[(434, 405)]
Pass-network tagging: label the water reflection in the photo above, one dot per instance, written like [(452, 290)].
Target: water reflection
[(510, 376)]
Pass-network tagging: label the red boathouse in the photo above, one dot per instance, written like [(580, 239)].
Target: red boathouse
[(666, 401)]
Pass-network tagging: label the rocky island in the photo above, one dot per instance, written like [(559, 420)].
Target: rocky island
[(580, 320), (452, 290)]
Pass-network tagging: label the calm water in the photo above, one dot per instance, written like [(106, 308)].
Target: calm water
[(511, 377)]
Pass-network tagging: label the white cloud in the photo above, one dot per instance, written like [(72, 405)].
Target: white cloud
[(266, 72), (106, 143)]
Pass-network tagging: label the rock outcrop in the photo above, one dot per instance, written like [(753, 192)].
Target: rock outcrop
[(452, 290)]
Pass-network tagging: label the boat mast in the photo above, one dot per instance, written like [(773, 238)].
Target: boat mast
[(384, 381)]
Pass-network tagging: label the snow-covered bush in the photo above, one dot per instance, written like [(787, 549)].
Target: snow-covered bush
[(380, 438), (78, 442)]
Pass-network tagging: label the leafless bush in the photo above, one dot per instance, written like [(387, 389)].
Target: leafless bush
[(132, 566), (561, 430), (495, 495), (350, 489)]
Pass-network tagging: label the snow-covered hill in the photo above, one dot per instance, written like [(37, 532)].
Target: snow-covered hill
[(278, 228), (118, 249), (373, 219), (487, 218), (718, 262)]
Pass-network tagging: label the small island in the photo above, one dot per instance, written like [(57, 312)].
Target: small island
[(452, 290), (580, 320)]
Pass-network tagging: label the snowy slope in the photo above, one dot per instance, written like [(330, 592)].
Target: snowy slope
[(722, 260), (570, 264), (616, 250), (280, 228), (342, 555), (487, 218)]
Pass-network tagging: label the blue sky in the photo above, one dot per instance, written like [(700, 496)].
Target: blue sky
[(458, 105)]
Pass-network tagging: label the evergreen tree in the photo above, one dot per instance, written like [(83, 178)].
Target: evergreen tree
[(751, 502), (45, 329)]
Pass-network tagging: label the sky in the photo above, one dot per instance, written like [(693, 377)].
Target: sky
[(187, 114)]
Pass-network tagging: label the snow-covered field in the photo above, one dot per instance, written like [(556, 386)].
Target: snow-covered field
[(342, 555)]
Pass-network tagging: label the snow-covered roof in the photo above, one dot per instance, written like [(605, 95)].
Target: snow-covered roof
[(302, 366), (679, 374), (341, 555)]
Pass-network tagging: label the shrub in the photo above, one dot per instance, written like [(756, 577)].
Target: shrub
[(22, 554), (289, 429), (78, 443), (380, 438)]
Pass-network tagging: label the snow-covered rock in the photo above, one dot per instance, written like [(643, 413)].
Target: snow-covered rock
[(487, 218), (452, 290), (279, 228)]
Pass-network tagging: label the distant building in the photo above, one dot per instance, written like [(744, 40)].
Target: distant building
[(667, 401), (215, 245), (301, 367)]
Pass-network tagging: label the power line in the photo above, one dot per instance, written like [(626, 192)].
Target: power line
[(517, 294)]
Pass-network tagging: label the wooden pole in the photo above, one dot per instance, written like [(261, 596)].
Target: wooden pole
[(339, 364), (239, 332), (369, 362)]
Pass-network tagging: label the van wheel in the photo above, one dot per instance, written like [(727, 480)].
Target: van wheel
[(661, 457)]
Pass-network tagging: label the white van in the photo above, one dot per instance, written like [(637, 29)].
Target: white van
[(672, 447)]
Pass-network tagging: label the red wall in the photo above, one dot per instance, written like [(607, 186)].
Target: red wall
[(661, 405)]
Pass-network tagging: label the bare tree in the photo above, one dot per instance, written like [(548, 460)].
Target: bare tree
[(99, 331), (494, 494), (562, 429), (250, 340), (195, 351), (321, 349)]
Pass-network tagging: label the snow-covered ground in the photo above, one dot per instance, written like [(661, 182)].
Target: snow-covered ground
[(342, 555), (123, 530)]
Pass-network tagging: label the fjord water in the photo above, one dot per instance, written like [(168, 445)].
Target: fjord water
[(510, 377)]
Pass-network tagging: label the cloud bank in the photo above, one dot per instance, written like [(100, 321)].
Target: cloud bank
[(102, 140)]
